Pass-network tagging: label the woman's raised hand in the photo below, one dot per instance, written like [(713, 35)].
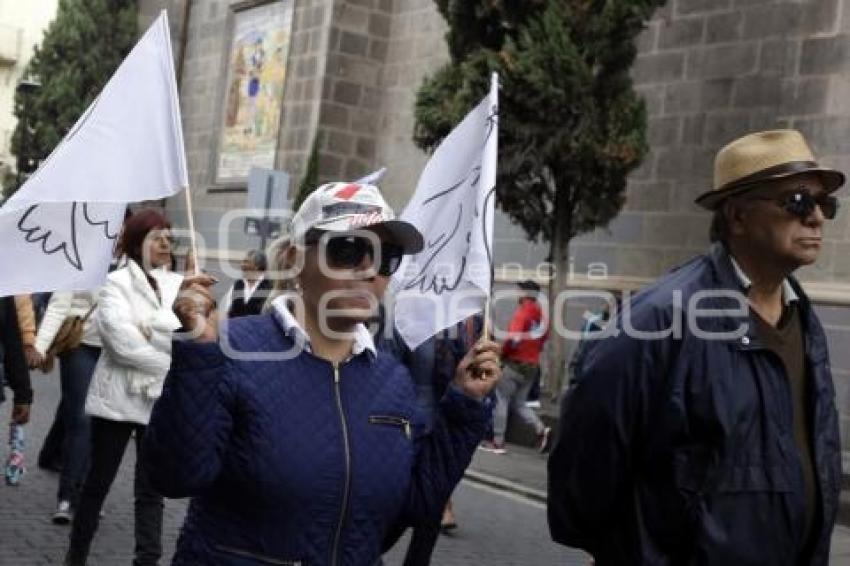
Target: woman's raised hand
[(195, 307), (479, 370)]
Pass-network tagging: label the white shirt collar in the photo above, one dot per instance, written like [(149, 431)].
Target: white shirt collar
[(788, 293), (251, 287), (362, 337)]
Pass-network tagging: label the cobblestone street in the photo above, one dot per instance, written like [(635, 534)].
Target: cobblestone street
[(28, 538), (495, 527)]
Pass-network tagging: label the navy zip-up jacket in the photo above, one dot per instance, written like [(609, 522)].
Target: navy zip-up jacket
[(681, 451), (296, 461)]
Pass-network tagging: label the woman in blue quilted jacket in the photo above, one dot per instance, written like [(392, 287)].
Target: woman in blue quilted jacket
[(297, 440)]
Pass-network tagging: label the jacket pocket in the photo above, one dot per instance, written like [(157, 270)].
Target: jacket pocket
[(388, 420), (239, 557)]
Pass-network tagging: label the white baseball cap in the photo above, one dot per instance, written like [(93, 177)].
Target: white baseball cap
[(343, 207)]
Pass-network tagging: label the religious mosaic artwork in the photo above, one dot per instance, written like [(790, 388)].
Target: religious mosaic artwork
[(254, 90)]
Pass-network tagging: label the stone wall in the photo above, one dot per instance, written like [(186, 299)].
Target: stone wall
[(352, 99), (416, 48), (204, 69), (709, 70)]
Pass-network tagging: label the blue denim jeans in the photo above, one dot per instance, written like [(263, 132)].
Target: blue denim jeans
[(75, 371), (511, 394)]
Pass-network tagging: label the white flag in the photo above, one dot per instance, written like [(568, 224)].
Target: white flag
[(57, 246), (128, 145), (58, 231), (451, 278), (372, 178)]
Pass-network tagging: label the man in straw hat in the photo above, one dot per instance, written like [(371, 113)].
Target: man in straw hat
[(704, 429)]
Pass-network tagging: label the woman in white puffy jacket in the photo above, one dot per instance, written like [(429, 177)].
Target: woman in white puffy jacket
[(76, 366), (135, 319)]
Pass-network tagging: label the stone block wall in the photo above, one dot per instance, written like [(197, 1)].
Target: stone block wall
[(149, 10), (352, 98), (710, 71), (204, 72), (416, 48)]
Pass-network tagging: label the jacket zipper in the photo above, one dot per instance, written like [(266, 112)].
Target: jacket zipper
[(259, 557), (395, 421), (344, 508), (773, 359)]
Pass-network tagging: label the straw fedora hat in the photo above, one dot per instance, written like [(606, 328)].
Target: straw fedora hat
[(764, 156)]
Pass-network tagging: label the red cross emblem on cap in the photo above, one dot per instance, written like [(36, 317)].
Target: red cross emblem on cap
[(347, 191)]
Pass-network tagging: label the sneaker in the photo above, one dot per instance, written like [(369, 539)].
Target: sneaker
[(62, 516), (494, 447), (544, 440)]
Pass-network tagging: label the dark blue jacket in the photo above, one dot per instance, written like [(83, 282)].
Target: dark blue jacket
[(296, 462), (681, 451)]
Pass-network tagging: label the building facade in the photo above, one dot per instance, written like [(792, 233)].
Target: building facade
[(21, 27), (346, 76)]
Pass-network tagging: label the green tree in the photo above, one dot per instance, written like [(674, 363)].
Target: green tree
[(79, 52), (571, 125)]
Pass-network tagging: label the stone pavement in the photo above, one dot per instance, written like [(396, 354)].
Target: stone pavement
[(496, 529), (28, 538), (500, 508), (522, 471)]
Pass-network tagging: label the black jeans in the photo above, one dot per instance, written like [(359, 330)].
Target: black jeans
[(15, 370), (422, 543), (50, 456), (109, 440), (75, 370)]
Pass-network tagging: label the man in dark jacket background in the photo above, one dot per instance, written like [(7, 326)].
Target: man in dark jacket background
[(713, 440)]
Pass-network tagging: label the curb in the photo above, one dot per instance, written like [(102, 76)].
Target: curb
[(539, 496), (502, 484)]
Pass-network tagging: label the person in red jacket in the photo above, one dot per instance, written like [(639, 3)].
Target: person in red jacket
[(527, 332)]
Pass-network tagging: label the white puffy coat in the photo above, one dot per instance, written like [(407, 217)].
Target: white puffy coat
[(135, 329)]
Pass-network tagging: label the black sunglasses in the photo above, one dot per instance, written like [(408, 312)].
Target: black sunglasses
[(802, 204), (348, 252)]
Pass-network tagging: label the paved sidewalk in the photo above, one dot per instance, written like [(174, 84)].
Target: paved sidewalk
[(522, 471), (28, 538), (501, 508)]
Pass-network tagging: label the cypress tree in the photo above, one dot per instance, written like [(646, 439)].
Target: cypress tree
[(572, 126), (79, 52)]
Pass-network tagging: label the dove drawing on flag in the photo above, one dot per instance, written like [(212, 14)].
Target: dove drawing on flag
[(453, 209), (38, 225), (58, 245), (60, 227)]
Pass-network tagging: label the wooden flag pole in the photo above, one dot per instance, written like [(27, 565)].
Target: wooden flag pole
[(487, 317), (494, 94), (192, 240)]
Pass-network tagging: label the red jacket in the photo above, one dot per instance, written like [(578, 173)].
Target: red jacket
[(525, 334)]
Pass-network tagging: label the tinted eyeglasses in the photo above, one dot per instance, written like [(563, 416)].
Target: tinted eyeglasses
[(802, 204), (348, 252)]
